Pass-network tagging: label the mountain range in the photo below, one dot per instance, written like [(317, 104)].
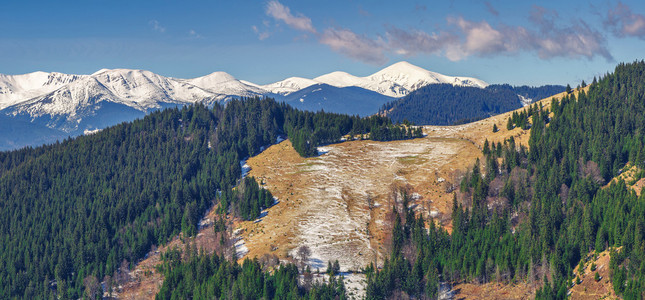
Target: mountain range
[(62, 105)]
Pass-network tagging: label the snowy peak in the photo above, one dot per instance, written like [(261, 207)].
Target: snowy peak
[(397, 80), (409, 77), (17, 88), (224, 84), (289, 85)]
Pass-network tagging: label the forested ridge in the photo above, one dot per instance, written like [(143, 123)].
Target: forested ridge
[(445, 104), (85, 206), (534, 215)]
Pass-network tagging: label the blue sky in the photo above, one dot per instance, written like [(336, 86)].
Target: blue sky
[(515, 42)]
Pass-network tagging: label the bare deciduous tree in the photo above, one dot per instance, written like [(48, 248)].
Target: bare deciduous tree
[(92, 286), (303, 253)]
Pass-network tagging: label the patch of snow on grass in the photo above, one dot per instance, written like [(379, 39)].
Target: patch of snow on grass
[(245, 168)]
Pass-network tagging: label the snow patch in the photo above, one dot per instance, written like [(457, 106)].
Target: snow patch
[(245, 168), (89, 132)]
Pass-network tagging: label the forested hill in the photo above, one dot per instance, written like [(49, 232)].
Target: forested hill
[(84, 206), (537, 215), (445, 104), (529, 92)]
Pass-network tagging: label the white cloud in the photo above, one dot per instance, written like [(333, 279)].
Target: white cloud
[(355, 46), (156, 26), (280, 12), (193, 34), (460, 38), (624, 22), (262, 35)]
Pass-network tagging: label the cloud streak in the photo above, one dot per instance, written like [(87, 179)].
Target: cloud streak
[(623, 22), (156, 26), (355, 46), (280, 12), (461, 38)]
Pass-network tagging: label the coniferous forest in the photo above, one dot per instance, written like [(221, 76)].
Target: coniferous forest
[(88, 206), (555, 210), (445, 104)]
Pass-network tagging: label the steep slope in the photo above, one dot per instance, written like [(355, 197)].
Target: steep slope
[(346, 100)]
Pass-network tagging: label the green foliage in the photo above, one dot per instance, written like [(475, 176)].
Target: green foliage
[(200, 276), (247, 200)]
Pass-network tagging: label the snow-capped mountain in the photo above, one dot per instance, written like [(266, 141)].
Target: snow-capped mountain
[(224, 84), (397, 80), (288, 86), (17, 88), (74, 104)]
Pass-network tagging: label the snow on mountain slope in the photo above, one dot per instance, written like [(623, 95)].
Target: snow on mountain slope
[(411, 77), (138, 89), (289, 85), (222, 83), (397, 80), (17, 88)]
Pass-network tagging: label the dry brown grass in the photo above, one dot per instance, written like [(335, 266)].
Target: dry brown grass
[(324, 200), (590, 288), (630, 176), (470, 291)]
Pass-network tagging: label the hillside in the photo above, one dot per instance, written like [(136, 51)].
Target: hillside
[(345, 100), (443, 104)]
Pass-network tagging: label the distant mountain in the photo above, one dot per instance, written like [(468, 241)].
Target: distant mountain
[(17, 88), (74, 104), (106, 98), (224, 85), (397, 80), (15, 133), (288, 86), (444, 104), (349, 100)]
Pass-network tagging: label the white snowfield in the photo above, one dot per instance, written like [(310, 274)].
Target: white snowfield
[(42, 93)]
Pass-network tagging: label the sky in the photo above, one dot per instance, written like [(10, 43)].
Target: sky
[(516, 42)]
